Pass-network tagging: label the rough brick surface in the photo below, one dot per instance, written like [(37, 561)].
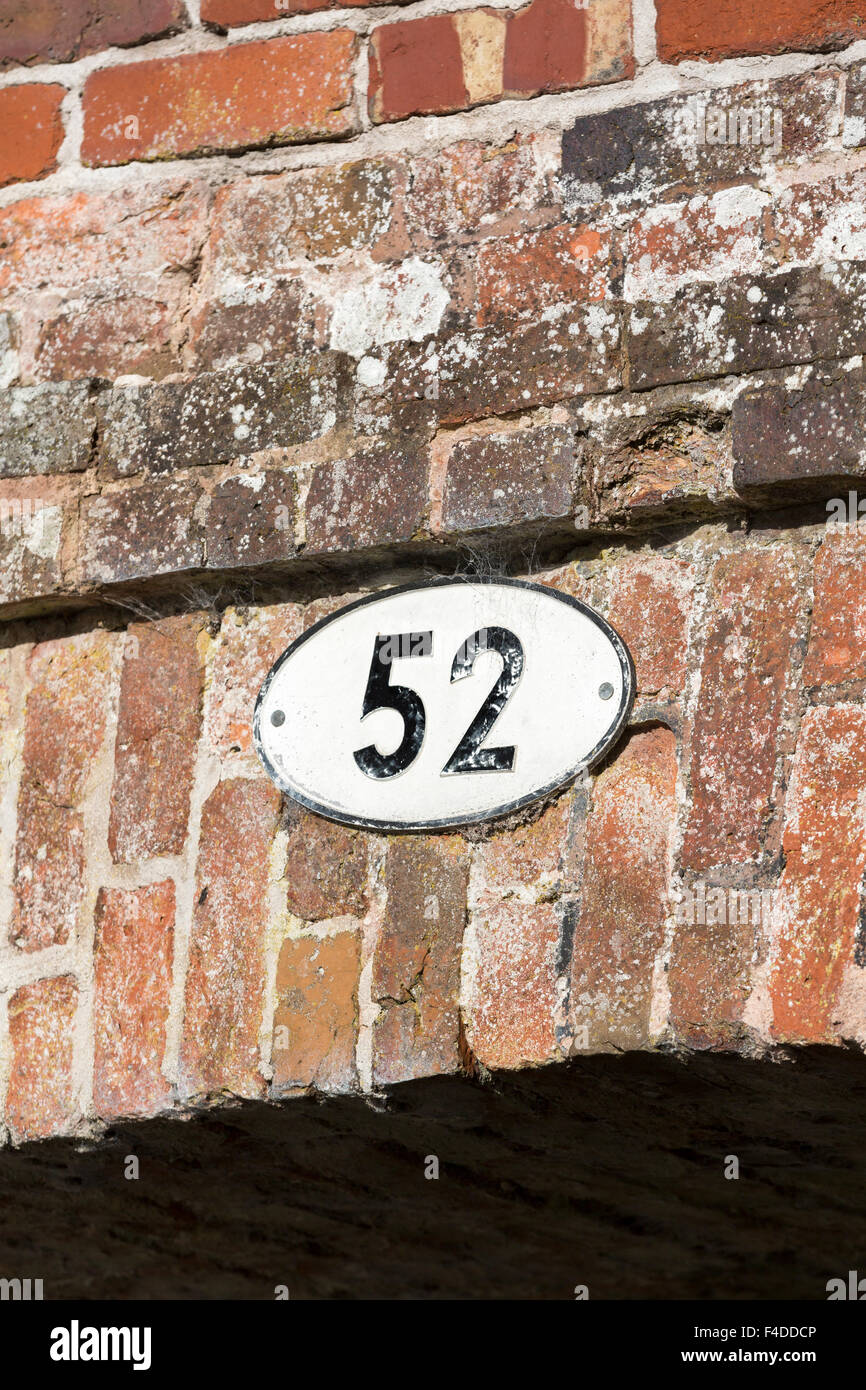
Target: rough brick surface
[(512, 993), (837, 635), (40, 1100), (32, 131), (275, 93), (157, 733), (624, 901), (750, 644), (65, 722), (44, 32), (225, 983), (503, 479), (326, 868), (686, 30), (134, 951), (818, 902), (316, 1014), (416, 961)]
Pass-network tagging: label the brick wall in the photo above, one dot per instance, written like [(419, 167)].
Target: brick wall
[(297, 300)]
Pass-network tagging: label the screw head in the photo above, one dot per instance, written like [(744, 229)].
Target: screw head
[(278, 718), (605, 690)]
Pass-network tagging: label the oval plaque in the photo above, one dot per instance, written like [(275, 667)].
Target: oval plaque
[(443, 704)]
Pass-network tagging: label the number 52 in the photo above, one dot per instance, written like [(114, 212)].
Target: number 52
[(468, 756)]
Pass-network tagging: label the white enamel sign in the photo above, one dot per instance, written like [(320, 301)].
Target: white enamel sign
[(443, 704)]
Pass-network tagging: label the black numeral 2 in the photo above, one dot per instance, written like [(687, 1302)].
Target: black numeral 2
[(468, 756)]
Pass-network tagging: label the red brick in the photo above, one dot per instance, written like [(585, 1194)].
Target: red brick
[(65, 722), (416, 961), (818, 901), (141, 531), (837, 637), (41, 1098), (42, 31), (707, 238), (100, 278), (751, 622), (227, 14), (499, 480), (815, 222), (512, 995), (31, 131), (650, 604), (521, 276), (249, 642), (733, 27), (369, 499), (326, 868), (225, 982), (416, 67), (133, 966), (277, 92), (545, 48), (720, 936), (469, 186), (624, 894), (317, 1012), (157, 733), (537, 858)]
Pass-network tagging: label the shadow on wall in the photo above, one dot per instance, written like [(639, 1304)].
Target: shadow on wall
[(607, 1172)]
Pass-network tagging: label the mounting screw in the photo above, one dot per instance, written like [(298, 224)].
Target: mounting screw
[(605, 690), (279, 718)]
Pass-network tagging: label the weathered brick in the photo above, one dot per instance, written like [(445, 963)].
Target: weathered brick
[(64, 728), (416, 961), (266, 325), (620, 923), (526, 276), (46, 429), (225, 982), (749, 323), (251, 519), (44, 32), (32, 131), (219, 416), (817, 908), (326, 868), (141, 531), (650, 606), (133, 967), (99, 279), (276, 92), (538, 858), (823, 221), (157, 732), (837, 636), (511, 988), (370, 499), (469, 186), (316, 1015), (735, 27), (720, 936), (41, 1098), (854, 126), (751, 635), (448, 62), (785, 438), (262, 227), (624, 153), (248, 644), (505, 479), (36, 519), (708, 238), (495, 371)]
